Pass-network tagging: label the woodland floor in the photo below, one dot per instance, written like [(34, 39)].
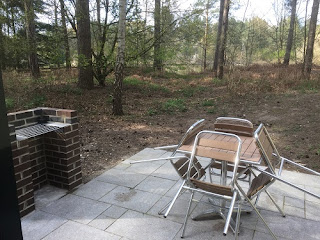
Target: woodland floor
[(159, 109)]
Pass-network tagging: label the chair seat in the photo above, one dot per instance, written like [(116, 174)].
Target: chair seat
[(211, 187), (258, 183)]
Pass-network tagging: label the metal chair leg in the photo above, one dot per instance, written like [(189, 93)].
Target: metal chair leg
[(187, 215), (172, 202), (238, 220), (226, 226), (274, 202)]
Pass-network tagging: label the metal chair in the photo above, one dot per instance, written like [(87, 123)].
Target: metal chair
[(180, 163), (272, 159)]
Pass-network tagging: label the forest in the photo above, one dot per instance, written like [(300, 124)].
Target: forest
[(140, 72)]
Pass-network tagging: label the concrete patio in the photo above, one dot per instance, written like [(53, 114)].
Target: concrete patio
[(123, 203)]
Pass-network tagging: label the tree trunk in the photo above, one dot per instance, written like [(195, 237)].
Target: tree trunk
[(65, 35), (205, 47), (311, 37), (157, 64), (305, 35), (223, 40), (31, 37), (216, 54), (291, 31), (119, 73), (85, 77)]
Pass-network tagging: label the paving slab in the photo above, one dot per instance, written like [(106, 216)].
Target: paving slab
[(94, 189), (79, 209), (39, 224), (313, 211), (166, 171), (131, 198), (121, 177), (289, 227), (156, 185), (136, 225), (102, 222), (144, 168), (177, 212), (47, 195), (114, 211), (77, 231)]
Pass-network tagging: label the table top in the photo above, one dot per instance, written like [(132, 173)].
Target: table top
[(249, 151)]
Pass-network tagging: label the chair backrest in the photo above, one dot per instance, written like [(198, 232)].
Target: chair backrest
[(181, 166), (216, 145), (238, 126), (268, 150), (190, 133)]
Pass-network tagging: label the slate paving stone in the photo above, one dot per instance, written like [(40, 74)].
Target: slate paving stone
[(38, 224), (136, 225), (114, 211), (94, 189), (121, 177), (156, 185), (77, 231), (166, 171), (47, 195), (131, 198), (289, 227), (102, 222), (79, 209)]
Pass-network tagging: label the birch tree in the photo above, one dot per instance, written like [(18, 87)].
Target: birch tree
[(119, 67)]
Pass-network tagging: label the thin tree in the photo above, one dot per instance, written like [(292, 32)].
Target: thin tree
[(218, 41), (157, 65), (311, 36), (31, 37), (223, 39), (205, 44), (119, 68), (85, 77), (65, 34), (291, 31)]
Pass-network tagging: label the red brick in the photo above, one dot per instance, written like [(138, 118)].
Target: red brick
[(22, 167), (66, 113)]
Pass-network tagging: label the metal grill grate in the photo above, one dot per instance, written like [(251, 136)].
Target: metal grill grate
[(36, 130)]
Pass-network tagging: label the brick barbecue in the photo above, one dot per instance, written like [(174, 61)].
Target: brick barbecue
[(46, 150)]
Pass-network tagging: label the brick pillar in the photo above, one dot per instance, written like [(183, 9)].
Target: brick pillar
[(22, 169), (63, 153)]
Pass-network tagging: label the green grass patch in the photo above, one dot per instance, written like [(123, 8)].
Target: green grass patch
[(208, 103), (9, 103), (308, 86), (131, 81), (212, 110), (174, 105), (36, 101), (70, 90), (152, 112), (219, 82)]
